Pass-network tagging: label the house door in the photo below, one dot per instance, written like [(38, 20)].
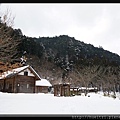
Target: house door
[(18, 87), (24, 88), (10, 88)]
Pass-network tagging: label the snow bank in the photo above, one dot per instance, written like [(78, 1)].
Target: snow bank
[(40, 103)]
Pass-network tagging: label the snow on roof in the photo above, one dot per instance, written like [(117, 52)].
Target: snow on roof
[(35, 72), (15, 71), (43, 82), (11, 72)]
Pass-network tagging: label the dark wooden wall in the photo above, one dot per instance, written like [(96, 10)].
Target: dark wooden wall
[(18, 84), (1, 85), (62, 90), (24, 84), (41, 89)]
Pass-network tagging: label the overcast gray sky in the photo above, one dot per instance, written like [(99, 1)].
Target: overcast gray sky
[(94, 23)]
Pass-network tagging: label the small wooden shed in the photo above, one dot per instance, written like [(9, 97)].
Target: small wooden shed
[(62, 89), (19, 80), (42, 86)]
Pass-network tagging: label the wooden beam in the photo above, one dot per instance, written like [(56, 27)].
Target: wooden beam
[(13, 85)]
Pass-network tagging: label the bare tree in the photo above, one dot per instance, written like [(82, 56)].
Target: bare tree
[(111, 78), (88, 73), (99, 79), (7, 18)]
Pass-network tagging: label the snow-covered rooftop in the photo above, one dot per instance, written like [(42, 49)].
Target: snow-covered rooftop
[(43, 82), (15, 71)]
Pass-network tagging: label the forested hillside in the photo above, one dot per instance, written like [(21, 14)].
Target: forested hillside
[(60, 58)]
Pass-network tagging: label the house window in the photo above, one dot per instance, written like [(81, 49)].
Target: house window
[(7, 85), (26, 73), (27, 85), (2, 85)]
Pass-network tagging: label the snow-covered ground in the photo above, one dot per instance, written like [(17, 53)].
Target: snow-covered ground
[(40, 103)]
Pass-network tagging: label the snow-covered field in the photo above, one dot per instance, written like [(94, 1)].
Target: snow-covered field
[(40, 103)]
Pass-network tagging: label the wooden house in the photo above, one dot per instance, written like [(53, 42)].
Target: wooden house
[(62, 89), (42, 86), (19, 80)]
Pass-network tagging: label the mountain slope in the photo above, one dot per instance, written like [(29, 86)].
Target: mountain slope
[(62, 58)]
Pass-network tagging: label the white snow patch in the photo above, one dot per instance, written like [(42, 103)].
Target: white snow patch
[(43, 82), (40, 103)]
